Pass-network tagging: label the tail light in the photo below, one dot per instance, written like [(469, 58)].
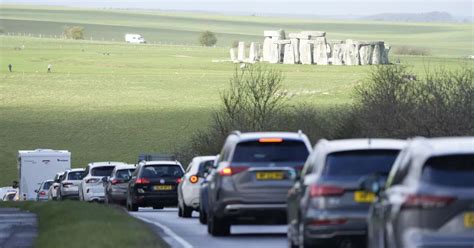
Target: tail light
[(328, 222), (230, 171), (142, 180), (92, 180), (42, 193), (270, 140), (193, 179), (427, 201), (115, 181), (325, 190), (67, 184), (178, 180)]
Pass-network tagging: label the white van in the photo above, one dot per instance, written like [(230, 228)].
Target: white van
[(36, 166), (134, 38)]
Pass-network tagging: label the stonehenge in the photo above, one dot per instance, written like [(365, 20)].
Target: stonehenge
[(310, 47)]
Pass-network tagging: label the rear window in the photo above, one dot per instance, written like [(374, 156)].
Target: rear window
[(122, 174), (203, 167), (46, 185), (156, 171), (75, 175), (453, 170), (360, 163), (284, 151), (103, 171)]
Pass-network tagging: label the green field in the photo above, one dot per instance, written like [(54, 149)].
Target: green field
[(111, 100)]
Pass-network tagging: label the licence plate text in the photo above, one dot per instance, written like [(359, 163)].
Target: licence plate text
[(163, 187), (270, 175), (362, 196)]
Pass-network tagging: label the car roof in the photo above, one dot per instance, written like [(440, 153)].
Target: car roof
[(363, 144), (203, 158), (126, 166), (76, 169), (111, 163), (161, 162), (444, 146), (257, 135)]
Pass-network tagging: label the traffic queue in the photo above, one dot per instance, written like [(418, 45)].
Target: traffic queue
[(371, 192)]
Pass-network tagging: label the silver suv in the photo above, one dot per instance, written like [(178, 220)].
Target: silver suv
[(429, 197), (326, 206), (254, 173)]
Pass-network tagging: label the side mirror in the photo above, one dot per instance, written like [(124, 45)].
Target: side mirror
[(105, 179), (372, 183), (126, 178), (36, 191)]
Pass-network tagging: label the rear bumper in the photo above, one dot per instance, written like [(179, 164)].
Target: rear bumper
[(254, 213), (94, 194), (352, 224), (418, 238), (147, 200)]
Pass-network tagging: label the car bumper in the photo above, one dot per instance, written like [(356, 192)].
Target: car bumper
[(417, 238), (146, 200), (254, 213), (94, 194), (329, 224)]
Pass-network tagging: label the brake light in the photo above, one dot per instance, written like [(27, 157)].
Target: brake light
[(178, 181), (193, 179), (42, 193), (328, 222), (92, 180), (427, 201), (142, 180), (270, 140), (230, 171), (325, 190), (67, 184), (115, 181)]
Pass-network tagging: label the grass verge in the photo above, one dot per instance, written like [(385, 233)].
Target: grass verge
[(78, 224)]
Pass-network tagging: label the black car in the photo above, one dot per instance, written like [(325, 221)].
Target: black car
[(154, 184), (117, 184)]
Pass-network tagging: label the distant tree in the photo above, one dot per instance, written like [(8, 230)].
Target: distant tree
[(207, 38), (74, 32)]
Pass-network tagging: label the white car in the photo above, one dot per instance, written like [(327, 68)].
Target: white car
[(69, 186), (42, 191), (53, 189), (91, 187), (189, 187)]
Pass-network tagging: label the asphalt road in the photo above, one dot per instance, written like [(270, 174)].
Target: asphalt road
[(187, 233)]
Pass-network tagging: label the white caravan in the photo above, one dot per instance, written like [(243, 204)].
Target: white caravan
[(134, 38), (39, 165)]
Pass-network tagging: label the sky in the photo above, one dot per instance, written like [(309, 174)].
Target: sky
[(288, 7)]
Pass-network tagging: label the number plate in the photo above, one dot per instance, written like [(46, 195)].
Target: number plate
[(274, 175), (163, 187), (469, 220), (362, 196)]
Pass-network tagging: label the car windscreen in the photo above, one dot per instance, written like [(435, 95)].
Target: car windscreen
[(204, 166), (47, 184), (102, 171), (162, 170), (75, 175), (280, 151), (359, 163), (451, 171), (125, 173)]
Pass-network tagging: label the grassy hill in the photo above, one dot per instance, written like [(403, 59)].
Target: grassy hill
[(112, 100)]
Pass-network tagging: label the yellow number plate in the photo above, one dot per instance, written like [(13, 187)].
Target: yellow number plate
[(362, 196), (469, 220), (270, 175), (163, 187)]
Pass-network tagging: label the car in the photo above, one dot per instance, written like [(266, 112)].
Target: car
[(154, 184), (69, 186), (53, 189), (428, 199), (188, 188), (91, 188), (42, 191), (11, 195), (203, 192), (254, 173), (325, 206), (116, 185)]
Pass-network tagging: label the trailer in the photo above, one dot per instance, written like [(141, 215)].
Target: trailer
[(36, 166), (134, 38)]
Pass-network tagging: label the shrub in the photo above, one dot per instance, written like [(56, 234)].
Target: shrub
[(74, 32), (414, 51), (207, 38)]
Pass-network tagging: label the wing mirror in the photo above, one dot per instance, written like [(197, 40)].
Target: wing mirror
[(372, 183), (127, 178), (105, 179), (36, 191)]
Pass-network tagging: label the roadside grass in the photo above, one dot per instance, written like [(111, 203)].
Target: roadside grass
[(135, 99), (78, 224)]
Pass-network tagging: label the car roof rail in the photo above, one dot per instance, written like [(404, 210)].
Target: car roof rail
[(300, 133), (236, 132)]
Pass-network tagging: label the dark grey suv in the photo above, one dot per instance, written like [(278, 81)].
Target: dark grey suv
[(254, 173), (326, 206), (429, 197)]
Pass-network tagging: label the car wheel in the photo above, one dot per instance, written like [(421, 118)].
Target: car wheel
[(131, 207), (187, 211), (180, 210), (157, 207), (289, 238), (218, 226), (202, 216)]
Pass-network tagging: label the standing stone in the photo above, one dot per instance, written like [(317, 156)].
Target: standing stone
[(313, 35), (267, 43), (278, 51), (241, 52), (351, 53), (295, 42), (269, 48), (306, 50), (377, 53), (289, 57), (233, 57), (253, 53), (320, 55), (385, 52), (365, 52), (338, 49)]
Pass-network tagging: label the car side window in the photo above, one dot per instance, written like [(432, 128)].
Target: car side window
[(86, 172), (400, 170)]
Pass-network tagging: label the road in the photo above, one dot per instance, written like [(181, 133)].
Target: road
[(187, 233)]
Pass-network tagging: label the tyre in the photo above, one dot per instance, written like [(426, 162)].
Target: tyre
[(180, 210), (187, 211), (202, 216), (290, 237), (157, 207), (131, 207), (218, 226)]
